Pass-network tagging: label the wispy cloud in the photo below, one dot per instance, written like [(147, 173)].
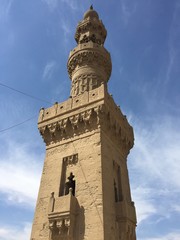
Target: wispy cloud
[(66, 28), (174, 44), (157, 148), (52, 4), (5, 9), (144, 206), (71, 4), (170, 236), (49, 70), (127, 10), (154, 166), (19, 175), (15, 233)]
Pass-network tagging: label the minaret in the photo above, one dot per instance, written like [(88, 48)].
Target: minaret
[(84, 191)]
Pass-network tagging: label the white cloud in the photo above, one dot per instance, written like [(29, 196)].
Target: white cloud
[(176, 208), (19, 175), (154, 167), (144, 206), (170, 236), (12, 233), (157, 151), (49, 70)]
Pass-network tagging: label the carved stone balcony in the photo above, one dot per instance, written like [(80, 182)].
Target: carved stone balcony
[(62, 216), (126, 210)]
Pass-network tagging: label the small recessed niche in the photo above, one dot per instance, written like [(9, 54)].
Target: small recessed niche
[(93, 94), (47, 112), (77, 100), (61, 107)]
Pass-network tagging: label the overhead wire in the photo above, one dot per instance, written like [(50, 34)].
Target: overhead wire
[(18, 124), (26, 94), (13, 126)]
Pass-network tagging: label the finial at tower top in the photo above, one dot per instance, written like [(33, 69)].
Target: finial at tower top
[(91, 13)]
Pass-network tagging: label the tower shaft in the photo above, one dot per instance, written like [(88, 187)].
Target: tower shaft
[(84, 191)]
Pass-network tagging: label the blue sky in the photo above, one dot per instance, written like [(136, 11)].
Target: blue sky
[(144, 42)]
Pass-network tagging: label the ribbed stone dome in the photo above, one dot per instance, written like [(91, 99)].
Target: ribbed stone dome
[(91, 13)]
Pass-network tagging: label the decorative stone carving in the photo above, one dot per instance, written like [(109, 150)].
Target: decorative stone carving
[(67, 222), (42, 130), (52, 129), (92, 58), (62, 124), (62, 218), (74, 121), (91, 29), (59, 225), (85, 82), (99, 111), (86, 116), (51, 225), (96, 117), (71, 160)]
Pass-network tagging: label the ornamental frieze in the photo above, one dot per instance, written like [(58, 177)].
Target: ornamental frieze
[(91, 119), (85, 82), (96, 29), (94, 58)]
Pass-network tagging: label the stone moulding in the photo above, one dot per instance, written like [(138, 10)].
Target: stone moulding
[(96, 27), (86, 121), (95, 57), (85, 82)]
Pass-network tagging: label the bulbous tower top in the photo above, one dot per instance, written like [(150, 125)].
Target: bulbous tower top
[(91, 13), (91, 28), (89, 64)]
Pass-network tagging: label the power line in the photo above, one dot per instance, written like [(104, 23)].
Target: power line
[(13, 126), (26, 94)]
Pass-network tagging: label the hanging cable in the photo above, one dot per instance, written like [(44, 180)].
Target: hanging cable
[(26, 94), (13, 126)]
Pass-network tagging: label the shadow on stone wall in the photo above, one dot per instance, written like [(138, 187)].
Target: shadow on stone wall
[(81, 224)]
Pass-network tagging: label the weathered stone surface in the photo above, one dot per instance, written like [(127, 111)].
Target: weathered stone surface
[(84, 191)]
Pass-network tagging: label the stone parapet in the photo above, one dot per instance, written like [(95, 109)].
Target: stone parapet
[(69, 119)]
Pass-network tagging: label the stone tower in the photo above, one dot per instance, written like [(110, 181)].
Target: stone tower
[(84, 191)]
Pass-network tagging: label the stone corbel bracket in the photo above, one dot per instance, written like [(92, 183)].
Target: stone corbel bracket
[(97, 117), (62, 215)]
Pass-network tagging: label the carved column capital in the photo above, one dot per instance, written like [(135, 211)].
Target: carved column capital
[(59, 225), (86, 116), (51, 224), (74, 121)]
